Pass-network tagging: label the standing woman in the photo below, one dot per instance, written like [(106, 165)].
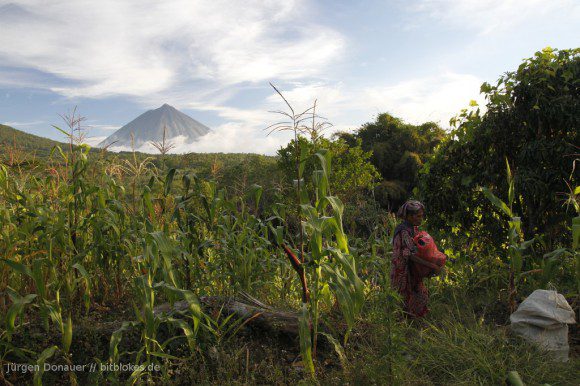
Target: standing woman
[(410, 286)]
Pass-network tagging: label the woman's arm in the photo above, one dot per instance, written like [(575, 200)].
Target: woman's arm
[(419, 260), (412, 252)]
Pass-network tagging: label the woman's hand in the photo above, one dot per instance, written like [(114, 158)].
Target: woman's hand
[(419, 260), (436, 269)]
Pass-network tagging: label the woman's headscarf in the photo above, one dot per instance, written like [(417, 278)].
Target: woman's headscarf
[(409, 207)]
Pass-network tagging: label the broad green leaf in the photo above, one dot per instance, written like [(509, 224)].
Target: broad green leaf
[(169, 180), (305, 339), (68, 135), (497, 202), (42, 358), (256, 192), (79, 267), (116, 337), (191, 299), (18, 267), (189, 333), (136, 375), (324, 157), (511, 187), (67, 335), (15, 309), (337, 348)]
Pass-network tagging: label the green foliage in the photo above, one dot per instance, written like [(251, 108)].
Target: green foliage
[(329, 266), (532, 120), (516, 247), (399, 150), (79, 233), (42, 358), (24, 142), (473, 353), (352, 173)]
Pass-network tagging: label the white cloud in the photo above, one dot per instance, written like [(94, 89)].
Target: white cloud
[(238, 137), (434, 98), (198, 54), (226, 138), (437, 98), (492, 16), (21, 78), (94, 141), (24, 124), (303, 95), (104, 127), (250, 117), (138, 47)]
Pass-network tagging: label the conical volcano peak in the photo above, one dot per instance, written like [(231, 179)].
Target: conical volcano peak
[(166, 108), (149, 127)]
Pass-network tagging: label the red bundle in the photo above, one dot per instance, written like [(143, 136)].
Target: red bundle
[(427, 250)]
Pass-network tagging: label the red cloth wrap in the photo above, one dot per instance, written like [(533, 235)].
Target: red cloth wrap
[(427, 250)]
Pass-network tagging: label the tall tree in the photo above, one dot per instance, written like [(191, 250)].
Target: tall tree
[(532, 120), (399, 150)]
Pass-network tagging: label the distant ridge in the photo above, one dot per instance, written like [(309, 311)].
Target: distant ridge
[(31, 143), (149, 127)]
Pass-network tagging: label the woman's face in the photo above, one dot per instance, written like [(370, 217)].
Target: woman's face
[(416, 219)]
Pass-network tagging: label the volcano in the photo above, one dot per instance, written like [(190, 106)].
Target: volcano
[(149, 126)]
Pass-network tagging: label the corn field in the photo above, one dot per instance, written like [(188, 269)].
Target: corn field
[(147, 258)]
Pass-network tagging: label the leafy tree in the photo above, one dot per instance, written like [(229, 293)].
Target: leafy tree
[(532, 121), (399, 151), (352, 172)]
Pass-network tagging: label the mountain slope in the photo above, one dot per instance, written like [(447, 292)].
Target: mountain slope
[(31, 143), (149, 127)]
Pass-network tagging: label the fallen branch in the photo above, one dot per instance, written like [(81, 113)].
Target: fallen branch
[(256, 313)]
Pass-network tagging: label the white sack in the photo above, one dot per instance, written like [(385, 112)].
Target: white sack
[(543, 318)]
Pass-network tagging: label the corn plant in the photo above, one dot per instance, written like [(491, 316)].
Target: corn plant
[(333, 265), (573, 200), (149, 322), (516, 245), (555, 258), (158, 276), (330, 269)]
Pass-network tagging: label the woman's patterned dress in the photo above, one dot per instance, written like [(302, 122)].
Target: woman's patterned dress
[(411, 288)]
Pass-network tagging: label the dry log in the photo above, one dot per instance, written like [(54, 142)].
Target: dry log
[(252, 311)]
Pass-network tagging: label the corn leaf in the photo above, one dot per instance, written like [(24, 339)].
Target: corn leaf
[(42, 358), (497, 202)]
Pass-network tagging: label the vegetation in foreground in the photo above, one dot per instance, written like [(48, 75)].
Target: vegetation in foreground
[(94, 243)]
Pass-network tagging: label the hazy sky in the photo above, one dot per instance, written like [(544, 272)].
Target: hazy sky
[(420, 60)]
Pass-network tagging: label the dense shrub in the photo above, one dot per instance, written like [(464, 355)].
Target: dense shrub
[(532, 120), (398, 151)]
